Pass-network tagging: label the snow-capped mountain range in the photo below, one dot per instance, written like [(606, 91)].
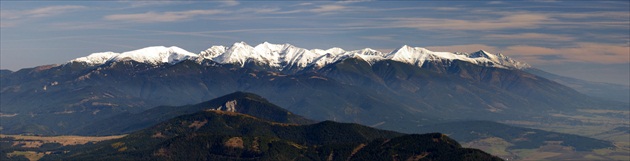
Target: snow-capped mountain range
[(284, 56)]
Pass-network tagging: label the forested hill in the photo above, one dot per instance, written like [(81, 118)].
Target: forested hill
[(222, 135)]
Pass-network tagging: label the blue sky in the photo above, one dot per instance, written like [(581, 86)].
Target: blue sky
[(582, 39)]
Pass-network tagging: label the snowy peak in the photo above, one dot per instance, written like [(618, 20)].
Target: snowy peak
[(96, 58), (483, 54), (500, 59), (286, 56), (238, 53), (150, 55), (418, 56), (369, 51), (335, 51), (212, 52), (270, 48), (156, 55), (406, 52)]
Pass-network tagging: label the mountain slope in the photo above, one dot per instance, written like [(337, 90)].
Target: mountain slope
[(471, 90), (220, 135), (4, 72), (245, 103), (92, 94)]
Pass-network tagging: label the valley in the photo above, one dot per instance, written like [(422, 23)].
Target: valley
[(610, 125)]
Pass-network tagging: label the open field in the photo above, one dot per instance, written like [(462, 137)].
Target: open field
[(493, 145), (501, 148), (30, 155), (63, 140), (599, 124), (29, 146), (609, 125)]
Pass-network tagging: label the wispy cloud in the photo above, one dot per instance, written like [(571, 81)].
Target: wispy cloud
[(4, 24), (12, 18), (580, 52), (447, 9), (546, 1), (518, 21), (483, 23), (318, 8), (468, 48), (381, 38), (260, 10), (148, 17), (228, 3), (139, 4), (588, 15), (495, 2), (328, 8), (41, 12), (531, 36), (304, 4), (388, 38)]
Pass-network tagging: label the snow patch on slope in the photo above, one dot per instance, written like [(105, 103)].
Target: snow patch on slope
[(150, 55), (156, 55), (96, 58)]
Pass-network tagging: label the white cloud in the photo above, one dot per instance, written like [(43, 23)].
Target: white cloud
[(162, 16)]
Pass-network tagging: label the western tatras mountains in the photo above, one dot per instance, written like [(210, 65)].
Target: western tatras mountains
[(401, 90)]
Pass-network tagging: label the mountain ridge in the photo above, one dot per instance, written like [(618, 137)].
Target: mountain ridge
[(224, 135), (283, 57), (354, 90), (240, 102)]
